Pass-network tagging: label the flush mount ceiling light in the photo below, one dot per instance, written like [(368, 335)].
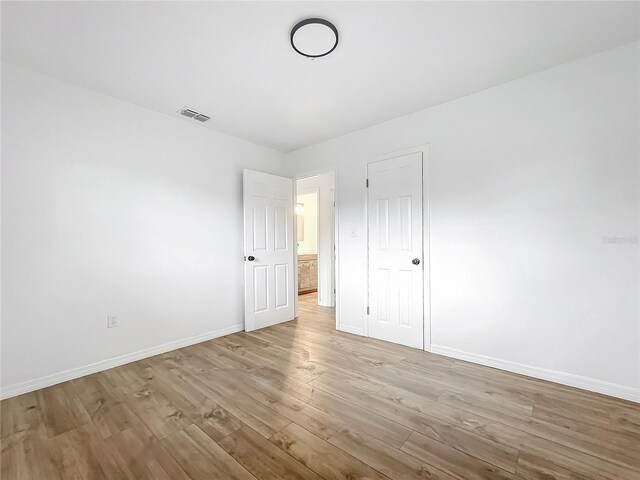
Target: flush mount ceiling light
[(314, 37)]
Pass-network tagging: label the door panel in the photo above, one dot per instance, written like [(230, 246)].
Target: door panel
[(281, 225), (268, 247), (395, 239), (260, 289), (282, 285), (259, 223)]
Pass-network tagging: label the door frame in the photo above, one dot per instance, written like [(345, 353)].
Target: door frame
[(336, 257), (426, 236)]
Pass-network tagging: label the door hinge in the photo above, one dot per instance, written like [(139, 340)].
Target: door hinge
[(367, 310), (367, 181)]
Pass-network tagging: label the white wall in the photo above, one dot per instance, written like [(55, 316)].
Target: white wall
[(308, 244), (525, 180), (108, 208), (324, 184)]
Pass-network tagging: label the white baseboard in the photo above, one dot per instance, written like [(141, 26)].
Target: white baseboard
[(349, 329), (31, 385), (585, 383)]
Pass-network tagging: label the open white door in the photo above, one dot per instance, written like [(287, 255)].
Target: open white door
[(396, 296), (269, 283)]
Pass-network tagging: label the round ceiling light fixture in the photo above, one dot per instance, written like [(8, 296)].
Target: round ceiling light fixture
[(314, 37)]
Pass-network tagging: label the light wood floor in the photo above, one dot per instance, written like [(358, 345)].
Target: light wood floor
[(300, 400)]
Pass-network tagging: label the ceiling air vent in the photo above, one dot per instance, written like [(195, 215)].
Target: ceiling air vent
[(188, 113), (201, 117)]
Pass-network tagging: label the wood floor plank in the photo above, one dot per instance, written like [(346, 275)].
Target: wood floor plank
[(481, 426), (499, 411), (625, 420), (624, 455), (83, 453), (614, 436), (107, 409), (258, 416), (565, 412), (539, 457), (19, 414), (276, 379), (140, 456), (320, 456), (202, 458), (452, 461), (210, 417), (262, 458), (427, 405), (61, 409), (536, 468), (540, 392), (13, 457), (23, 456), (387, 460), (296, 410), (221, 358), (358, 380), (29, 456), (361, 417), (390, 375), (498, 454), (152, 407)]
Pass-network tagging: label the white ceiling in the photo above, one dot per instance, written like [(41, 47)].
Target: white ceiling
[(233, 60)]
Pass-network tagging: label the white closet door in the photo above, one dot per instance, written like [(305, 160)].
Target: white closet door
[(396, 295)]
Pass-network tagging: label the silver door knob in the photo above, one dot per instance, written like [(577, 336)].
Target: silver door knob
[(416, 261)]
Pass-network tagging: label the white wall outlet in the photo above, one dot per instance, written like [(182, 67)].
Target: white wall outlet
[(112, 321)]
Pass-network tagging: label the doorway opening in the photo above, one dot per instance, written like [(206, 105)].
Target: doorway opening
[(315, 241)]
